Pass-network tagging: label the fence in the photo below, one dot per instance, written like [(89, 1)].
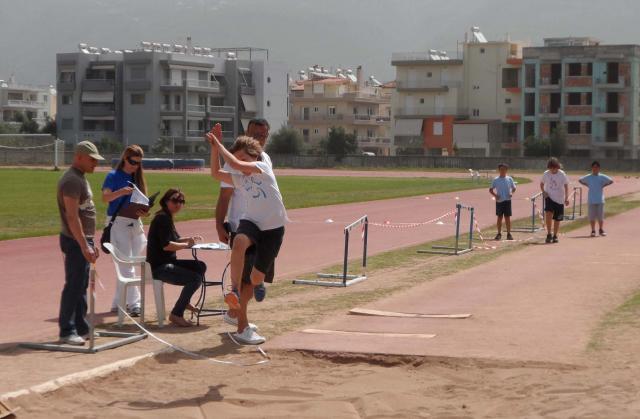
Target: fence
[(456, 250), (534, 216), (346, 278), (577, 192)]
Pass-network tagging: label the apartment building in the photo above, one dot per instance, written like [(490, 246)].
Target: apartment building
[(321, 100), (434, 91), (589, 89), (167, 93), (36, 102)]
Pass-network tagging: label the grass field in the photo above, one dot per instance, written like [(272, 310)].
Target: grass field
[(29, 209)]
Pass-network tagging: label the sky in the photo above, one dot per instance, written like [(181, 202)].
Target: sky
[(300, 33)]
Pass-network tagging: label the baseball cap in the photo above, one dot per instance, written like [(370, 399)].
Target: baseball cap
[(88, 148)]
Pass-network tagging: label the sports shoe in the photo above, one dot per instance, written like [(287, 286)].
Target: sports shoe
[(259, 292), (234, 322), (593, 233), (233, 299), (498, 236), (135, 311), (72, 339), (548, 239), (509, 236), (602, 233), (555, 239), (249, 337)]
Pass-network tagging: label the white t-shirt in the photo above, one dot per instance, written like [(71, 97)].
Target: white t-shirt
[(260, 198), (235, 206), (554, 185)]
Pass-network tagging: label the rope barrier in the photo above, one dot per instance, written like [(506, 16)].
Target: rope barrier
[(27, 148)]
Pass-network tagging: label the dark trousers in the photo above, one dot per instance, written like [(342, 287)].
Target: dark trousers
[(73, 303), (188, 273)]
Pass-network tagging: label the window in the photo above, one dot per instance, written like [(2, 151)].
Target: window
[(429, 74), (574, 98), (589, 69), (316, 109), (370, 133), (67, 123), (507, 100), (355, 111), (509, 78), (589, 98), (476, 112), (331, 110), (437, 128), (587, 127), (67, 76), (138, 72), (316, 131), (573, 127), (421, 100), (530, 75), (45, 98), (268, 79), (137, 98), (305, 135), (177, 102), (575, 69), (67, 99), (481, 50), (268, 103)]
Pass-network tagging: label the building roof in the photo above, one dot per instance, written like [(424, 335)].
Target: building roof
[(475, 121), (389, 85)]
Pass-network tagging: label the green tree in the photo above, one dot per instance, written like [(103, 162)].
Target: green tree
[(28, 126), (536, 147), (285, 141), (110, 145), (558, 142), (162, 145), (8, 129), (50, 127), (339, 143)]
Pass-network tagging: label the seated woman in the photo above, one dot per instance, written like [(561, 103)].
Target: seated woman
[(162, 243)]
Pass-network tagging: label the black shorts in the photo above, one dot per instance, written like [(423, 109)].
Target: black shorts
[(557, 209), (266, 244), (503, 208)]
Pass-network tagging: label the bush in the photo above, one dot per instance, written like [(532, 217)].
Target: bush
[(285, 141), (339, 143)]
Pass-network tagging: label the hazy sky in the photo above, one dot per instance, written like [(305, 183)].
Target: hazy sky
[(338, 33)]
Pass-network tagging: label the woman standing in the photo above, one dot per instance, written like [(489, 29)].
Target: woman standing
[(164, 241), (127, 234)]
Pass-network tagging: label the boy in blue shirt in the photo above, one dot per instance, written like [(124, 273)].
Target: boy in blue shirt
[(502, 189), (596, 182)]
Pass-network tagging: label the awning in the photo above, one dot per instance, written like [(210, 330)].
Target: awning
[(245, 124), (408, 127), (103, 67), (250, 104), (98, 118), (97, 96)]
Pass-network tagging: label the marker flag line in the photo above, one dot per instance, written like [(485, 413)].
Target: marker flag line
[(193, 354)]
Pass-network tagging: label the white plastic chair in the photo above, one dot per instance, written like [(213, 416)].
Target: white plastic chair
[(123, 282)]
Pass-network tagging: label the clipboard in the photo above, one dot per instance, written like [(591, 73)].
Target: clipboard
[(130, 211)]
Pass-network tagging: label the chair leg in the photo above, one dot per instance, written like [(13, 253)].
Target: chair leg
[(158, 292), (122, 301)]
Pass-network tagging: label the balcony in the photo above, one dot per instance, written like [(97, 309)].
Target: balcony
[(578, 81), (579, 141), (66, 86), (98, 109), (196, 108), (363, 97), (171, 84), (578, 110), (604, 83), (610, 113), (413, 58), (514, 60), (426, 85), (96, 85), (373, 141), (31, 104), (222, 110), (426, 111), (609, 141), (170, 108), (549, 112), (546, 83), (96, 136), (210, 86), (367, 119), (247, 90), (513, 114)]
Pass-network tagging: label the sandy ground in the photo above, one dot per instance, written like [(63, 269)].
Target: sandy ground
[(599, 381)]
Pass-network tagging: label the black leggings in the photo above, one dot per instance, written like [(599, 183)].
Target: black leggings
[(188, 273)]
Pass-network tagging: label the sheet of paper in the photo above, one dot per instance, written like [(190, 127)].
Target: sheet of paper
[(137, 197)]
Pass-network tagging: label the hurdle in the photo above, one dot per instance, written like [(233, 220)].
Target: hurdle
[(533, 228), (346, 279), (124, 337), (577, 191), (457, 250)]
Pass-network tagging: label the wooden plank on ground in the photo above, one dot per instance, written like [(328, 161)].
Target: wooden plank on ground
[(381, 334), (369, 312)]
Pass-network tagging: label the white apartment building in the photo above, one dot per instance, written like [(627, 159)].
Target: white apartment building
[(36, 102)]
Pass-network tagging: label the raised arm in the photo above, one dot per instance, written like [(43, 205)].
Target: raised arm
[(216, 171), (242, 166)]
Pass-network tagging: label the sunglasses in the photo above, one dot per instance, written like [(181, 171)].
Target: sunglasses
[(133, 162), (178, 200)]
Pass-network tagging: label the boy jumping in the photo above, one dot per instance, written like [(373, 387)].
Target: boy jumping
[(555, 190), (502, 189), (261, 223), (596, 182)]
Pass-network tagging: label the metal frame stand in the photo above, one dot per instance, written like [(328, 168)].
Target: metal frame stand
[(208, 312), (457, 250), (533, 227), (124, 337), (347, 279), (577, 190)]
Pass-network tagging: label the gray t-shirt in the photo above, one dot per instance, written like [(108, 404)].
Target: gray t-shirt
[(73, 184)]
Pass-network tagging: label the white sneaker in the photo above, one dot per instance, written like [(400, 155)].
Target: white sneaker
[(72, 339), (234, 322), (249, 337)]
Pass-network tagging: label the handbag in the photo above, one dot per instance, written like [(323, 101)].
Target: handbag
[(106, 232)]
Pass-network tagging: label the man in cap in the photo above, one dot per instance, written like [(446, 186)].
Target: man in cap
[(78, 217)]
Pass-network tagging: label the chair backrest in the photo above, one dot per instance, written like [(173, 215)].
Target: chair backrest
[(115, 253)]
